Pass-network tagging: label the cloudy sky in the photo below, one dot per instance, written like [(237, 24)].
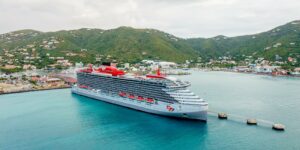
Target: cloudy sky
[(183, 18)]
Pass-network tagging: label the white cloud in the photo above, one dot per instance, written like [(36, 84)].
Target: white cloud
[(192, 18)]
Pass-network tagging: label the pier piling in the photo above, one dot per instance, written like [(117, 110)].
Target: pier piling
[(249, 121), (222, 115), (279, 127)]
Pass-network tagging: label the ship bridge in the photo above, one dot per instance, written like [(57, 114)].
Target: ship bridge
[(175, 83)]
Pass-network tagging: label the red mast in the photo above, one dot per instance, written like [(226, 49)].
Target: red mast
[(157, 75)]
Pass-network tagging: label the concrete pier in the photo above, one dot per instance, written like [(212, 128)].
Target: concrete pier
[(249, 121)]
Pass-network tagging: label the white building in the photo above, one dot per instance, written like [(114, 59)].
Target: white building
[(167, 65), (126, 65), (265, 69)]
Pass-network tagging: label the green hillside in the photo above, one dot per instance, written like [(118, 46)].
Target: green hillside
[(283, 41), (126, 44), (123, 44)]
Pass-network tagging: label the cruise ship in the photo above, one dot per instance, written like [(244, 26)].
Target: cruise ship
[(154, 93)]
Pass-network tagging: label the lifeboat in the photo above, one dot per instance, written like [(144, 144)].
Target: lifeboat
[(140, 98), (150, 100), (131, 96), (122, 94)]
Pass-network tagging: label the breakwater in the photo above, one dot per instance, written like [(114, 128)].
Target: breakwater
[(34, 90)]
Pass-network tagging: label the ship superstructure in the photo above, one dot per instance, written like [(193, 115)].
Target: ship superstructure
[(153, 93)]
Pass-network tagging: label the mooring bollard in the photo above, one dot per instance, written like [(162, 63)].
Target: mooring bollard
[(251, 122), (278, 126), (222, 115)]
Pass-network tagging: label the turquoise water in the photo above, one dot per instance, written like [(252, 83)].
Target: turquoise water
[(59, 120)]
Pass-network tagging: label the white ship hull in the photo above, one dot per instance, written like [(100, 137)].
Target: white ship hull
[(189, 111)]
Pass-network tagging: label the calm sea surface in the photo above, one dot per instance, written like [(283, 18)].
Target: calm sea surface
[(59, 120)]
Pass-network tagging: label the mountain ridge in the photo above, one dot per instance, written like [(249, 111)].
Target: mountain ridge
[(127, 44)]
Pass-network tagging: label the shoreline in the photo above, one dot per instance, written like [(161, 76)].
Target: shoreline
[(66, 87), (35, 90), (265, 74), (253, 73)]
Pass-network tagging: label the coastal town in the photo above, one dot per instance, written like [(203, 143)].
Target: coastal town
[(19, 74), (36, 66)]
